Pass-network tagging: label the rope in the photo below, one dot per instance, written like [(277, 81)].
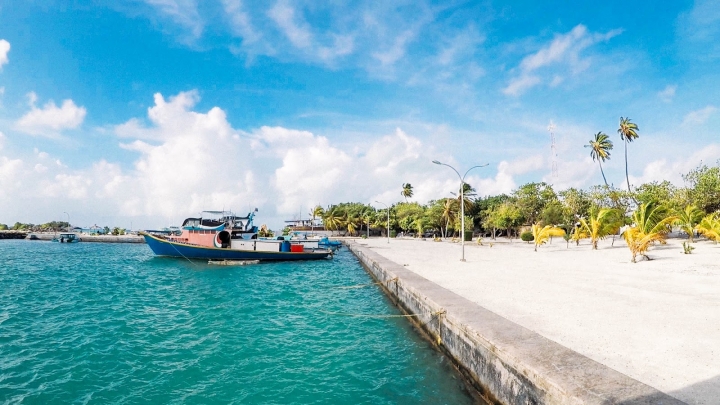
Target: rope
[(348, 287), (379, 315), (176, 249)]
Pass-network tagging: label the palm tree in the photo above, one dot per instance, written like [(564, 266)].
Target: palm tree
[(600, 225), (316, 212), (467, 192), (688, 219), (578, 234), (449, 213), (351, 222), (710, 227), (600, 148), (407, 191), (650, 224), (332, 218), (628, 133), (543, 233)]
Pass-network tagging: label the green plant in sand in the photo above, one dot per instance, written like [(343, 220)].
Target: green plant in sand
[(543, 233)]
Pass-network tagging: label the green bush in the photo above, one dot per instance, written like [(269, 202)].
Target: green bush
[(527, 236)]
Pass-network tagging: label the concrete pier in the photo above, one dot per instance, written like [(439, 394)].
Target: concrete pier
[(91, 238), (508, 363)]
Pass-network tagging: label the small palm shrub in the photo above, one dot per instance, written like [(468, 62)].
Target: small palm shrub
[(651, 223), (542, 234), (709, 227)]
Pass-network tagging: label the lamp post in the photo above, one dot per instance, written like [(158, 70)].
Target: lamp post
[(462, 202), (68, 227), (388, 219)]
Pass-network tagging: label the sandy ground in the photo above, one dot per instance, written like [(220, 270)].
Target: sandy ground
[(656, 321)]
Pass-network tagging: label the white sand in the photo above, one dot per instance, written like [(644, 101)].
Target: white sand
[(656, 321)]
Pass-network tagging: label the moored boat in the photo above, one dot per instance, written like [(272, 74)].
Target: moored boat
[(227, 237), (67, 238)]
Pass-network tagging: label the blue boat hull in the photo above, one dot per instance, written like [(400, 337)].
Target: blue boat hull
[(163, 247)]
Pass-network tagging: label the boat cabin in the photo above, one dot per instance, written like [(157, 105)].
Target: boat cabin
[(67, 238)]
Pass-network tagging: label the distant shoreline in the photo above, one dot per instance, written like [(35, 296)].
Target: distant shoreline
[(46, 236)]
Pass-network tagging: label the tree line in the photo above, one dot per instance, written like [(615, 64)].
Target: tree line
[(649, 211), (57, 226)]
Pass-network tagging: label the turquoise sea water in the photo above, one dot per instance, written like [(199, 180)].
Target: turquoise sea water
[(112, 324)]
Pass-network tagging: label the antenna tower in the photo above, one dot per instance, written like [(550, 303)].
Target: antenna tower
[(553, 150)]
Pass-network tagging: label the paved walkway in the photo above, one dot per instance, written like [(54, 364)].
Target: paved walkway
[(657, 321)]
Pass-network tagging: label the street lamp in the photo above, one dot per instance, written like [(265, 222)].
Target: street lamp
[(388, 219), (462, 202), (68, 227)]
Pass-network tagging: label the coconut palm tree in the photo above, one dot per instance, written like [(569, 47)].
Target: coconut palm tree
[(628, 133), (332, 218), (449, 213), (601, 223), (688, 219), (600, 148), (579, 233), (316, 212), (351, 222), (407, 191), (709, 227), (650, 224), (543, 233)]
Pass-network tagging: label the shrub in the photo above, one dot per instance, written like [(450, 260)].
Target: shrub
[(527, 236)]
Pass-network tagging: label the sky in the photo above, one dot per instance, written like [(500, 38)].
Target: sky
[(140, 113)]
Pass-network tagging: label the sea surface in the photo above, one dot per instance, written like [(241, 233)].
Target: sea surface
[(112, 324)]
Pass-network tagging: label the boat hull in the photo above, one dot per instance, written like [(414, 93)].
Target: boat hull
[(163, 247)]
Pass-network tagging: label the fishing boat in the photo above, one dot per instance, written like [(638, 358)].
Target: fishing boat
[(221, 235), (67, 238), (318, 241)]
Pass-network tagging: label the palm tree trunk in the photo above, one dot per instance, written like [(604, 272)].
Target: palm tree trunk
[(627, 176), (603, 173)]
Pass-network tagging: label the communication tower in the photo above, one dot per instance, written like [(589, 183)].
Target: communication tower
[(553, 150)]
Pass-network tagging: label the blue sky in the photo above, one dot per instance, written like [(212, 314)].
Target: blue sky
[(149, 111)]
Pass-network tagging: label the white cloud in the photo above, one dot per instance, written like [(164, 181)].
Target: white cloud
[(699, 28), (326, 48), (241, 23), (50, 119), (519, 85), (396, 50), (182, 12), (664, 169), (294, 28), (563, 51), (4, 49), (699, 116), (668, 93), (11, 175), (188, 160)]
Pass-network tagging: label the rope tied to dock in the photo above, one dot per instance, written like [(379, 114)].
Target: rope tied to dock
[(379, 315)]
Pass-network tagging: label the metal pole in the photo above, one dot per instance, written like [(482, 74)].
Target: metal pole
[(462, 203), (462, 217), (388, 220), (68, 227)]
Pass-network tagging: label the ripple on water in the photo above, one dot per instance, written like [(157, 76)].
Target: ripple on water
[(110, 323)]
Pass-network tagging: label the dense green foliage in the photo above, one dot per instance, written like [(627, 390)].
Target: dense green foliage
[(593, 213)]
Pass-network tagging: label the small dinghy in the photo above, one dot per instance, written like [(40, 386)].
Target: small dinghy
[(233, 262)]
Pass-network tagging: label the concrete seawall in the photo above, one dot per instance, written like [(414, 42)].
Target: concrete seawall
[(13, 235), (506, 362), (92, 238)]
